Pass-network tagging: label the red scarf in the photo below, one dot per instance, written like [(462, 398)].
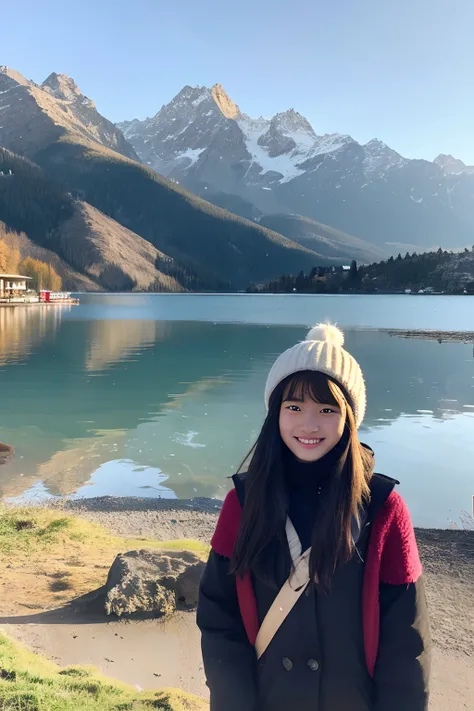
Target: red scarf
[(392, 557)]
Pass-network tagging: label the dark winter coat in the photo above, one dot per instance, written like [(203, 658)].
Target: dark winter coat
[(363, 647)]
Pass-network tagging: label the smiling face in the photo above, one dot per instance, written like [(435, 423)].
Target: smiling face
[(312, 416)]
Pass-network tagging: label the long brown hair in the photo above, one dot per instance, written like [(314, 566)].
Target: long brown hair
[(262, 529)]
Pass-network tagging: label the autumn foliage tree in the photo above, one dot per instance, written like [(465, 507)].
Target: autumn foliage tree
[(43, 275), (9, 258)]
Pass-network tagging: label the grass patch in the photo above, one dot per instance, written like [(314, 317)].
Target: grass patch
[(31, 531), (29, 682), (23, 530)]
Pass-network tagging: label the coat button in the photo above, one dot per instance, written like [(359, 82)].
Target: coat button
[(287, 663), (313, 664)]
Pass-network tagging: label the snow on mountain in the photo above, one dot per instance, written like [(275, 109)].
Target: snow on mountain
[(63, 87), (190, 105), (259, 143), (330, 143), (191, 155), (378, 156), (453, 166), (188, 123)]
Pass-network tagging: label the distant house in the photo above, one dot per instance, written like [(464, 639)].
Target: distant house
[(12, 285), (322, 273)]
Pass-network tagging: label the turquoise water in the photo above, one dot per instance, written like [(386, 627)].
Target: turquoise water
[(162, 395)]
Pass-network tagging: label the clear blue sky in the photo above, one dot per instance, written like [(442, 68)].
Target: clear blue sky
[(399, 70)]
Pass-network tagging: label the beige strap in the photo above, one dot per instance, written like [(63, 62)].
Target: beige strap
[(293, 541), (289, 593)]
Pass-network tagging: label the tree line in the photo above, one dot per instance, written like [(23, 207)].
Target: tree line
[(440, 271)]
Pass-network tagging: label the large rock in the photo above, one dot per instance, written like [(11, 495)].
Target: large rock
[(6, 450), (152, 583)]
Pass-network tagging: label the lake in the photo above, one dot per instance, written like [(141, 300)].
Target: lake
[(162, 394)]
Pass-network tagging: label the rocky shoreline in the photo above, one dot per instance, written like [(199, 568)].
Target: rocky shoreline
[(434, 335)]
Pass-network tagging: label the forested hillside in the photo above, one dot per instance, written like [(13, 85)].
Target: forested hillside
[(88, 249)]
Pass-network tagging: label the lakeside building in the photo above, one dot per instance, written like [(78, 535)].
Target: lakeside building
[(13, 286)]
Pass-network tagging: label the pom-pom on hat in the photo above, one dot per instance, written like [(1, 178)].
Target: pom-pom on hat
[(322, 351)]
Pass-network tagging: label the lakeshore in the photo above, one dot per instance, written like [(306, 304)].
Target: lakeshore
[(62, 623), (434, 335)]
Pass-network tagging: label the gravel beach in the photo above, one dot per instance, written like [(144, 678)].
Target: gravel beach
[(163, 519)]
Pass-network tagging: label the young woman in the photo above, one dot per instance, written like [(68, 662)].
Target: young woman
[(312, 598)]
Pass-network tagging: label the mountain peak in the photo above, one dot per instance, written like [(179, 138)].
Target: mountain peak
[(191, 94), (196, 95), (375, 143), (450, 164), (224, 102), (292, 120), (445, 158), (379, 156), (65, 88), (13, 74)]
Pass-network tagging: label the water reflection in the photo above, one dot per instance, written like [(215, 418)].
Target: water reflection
[(120, 474), (109, 344), (115, 406), (22, 329)]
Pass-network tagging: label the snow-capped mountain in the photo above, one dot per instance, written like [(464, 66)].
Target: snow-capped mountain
[(173, 140), (202, 124), (202, 140)]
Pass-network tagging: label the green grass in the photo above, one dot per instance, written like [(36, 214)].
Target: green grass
[(22, 531), (29, 682), (31, 531)]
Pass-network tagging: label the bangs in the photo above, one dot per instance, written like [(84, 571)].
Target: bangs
[(314, 385)]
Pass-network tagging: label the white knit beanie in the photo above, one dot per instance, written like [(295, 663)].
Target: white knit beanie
[(322, 351)]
